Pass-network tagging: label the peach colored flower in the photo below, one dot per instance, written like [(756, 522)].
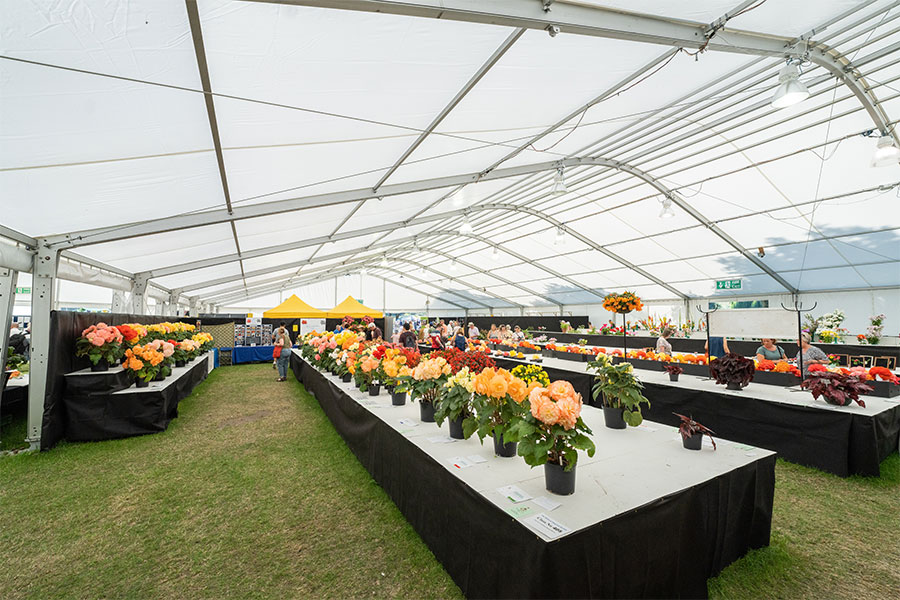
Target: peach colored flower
[(497, 387), (548, 413), (517, 389), (569, 410), (560, 389)]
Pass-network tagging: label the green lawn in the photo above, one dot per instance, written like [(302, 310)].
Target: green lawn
[(251, 493)]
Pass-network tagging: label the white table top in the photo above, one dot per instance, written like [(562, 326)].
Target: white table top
[(155, 386), (630, 468), (772, 393), (18, 381)]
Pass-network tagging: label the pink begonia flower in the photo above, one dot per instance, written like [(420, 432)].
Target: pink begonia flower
[(96, 340), (168, 349), (318, 357), (102, 325)]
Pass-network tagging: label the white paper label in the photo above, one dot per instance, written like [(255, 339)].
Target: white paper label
[(549, 527), (546, 503), (409, 422), (441, 439), (514, 493), (476, 459), (460, 463)]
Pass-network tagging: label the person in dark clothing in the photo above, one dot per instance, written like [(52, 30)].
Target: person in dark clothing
[(459, 340), (407, 337), (373, 333), (716, 347)]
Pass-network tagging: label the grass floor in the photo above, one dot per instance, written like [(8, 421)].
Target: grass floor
[(252, 494)]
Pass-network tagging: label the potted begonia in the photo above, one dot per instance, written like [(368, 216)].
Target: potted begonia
[(101, 344), (673, 370), (144, 363), (836, 387), (427, 379), (732, 370), (552, 432), (454, 404), (619, 392), (498, 404), (692, 433)]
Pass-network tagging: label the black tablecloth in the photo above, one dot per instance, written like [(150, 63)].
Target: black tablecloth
[(666, 548), (836, 441), (101, 415)]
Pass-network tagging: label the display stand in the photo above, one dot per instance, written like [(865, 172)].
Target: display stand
[(706, 314), (798, 308)]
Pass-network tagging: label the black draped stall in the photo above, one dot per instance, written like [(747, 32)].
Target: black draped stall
[(668, 547)]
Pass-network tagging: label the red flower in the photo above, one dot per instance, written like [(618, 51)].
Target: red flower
[(765, 365), (884, 373), (816, 368)]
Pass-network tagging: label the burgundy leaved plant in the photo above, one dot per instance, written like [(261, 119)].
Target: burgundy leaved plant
[(836, 388), (732, 368), (672, 369), (689, 427)]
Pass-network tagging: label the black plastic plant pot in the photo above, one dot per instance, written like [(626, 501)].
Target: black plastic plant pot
[(456, 428), (694, 442), (558, 480), (141, 383), (102, 365), (398, 398), (347, 378), (374, 390), (733, 386), (160, 376), (426, 412), (506, 450), (613, 417), (673, 376), (179, 363)]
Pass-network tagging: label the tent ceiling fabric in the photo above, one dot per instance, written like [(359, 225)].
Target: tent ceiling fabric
[(105, 125)]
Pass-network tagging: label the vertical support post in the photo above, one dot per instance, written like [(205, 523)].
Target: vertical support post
[(383, 295), (46, 262), (799, 343), (624, 340), (8, 279), (139, 294), (118, 302), (194, 312), (172, 305)]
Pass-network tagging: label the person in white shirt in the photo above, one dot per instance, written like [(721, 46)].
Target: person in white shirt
[(473, 331)]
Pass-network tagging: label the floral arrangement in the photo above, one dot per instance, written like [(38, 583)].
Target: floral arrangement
[(132, 334), (366, 372), (455, 401), (835, 387), (204, 339), (552, 430), (498, 402), (883, 374), (143, 362), (458, 359), (622, 303), (829, 336), (532, 374), (99, 342), (394, 370), (874, 330), (833, 319), (618, 387)]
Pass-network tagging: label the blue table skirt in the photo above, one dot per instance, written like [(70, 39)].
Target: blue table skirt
[(247, 354)]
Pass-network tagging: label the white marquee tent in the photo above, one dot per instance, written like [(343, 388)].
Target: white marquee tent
[(472, 155)]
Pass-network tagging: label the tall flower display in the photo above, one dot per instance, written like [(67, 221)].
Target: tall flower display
[(622, 303), (100, 342)]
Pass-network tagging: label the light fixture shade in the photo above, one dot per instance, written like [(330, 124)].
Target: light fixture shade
[(453, 265), (466, 228), (495, 255), (666, 212), (792, 90), (886, 154), (560, 238), (559, 184)]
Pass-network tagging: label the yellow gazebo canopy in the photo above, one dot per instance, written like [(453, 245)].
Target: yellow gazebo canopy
[(294, 308), (350, 307)]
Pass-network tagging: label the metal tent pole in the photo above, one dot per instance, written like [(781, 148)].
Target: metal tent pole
[(8, 279), (46, 263)]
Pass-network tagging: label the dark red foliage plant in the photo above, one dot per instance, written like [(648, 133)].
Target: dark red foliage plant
[(836, 388), (672, 369), (689, 427), (732, 368)]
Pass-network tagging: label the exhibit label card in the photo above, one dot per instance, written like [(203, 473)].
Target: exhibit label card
[(546, 503), (409, 422), (460, 463), (476, 459), (514, 493), (549, 527)]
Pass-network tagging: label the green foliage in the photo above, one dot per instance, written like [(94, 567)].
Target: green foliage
[(13, 360), (540, 443), (452, 403), (617, 387), (495, 416)]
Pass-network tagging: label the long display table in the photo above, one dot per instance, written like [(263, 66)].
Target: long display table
[(103, 406), (844, 440), (648, 518)]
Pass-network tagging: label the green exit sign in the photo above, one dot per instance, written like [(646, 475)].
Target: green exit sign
[(728, 284), (23, 290)]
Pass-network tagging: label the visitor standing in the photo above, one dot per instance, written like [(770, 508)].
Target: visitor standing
[(716, 347), (473, 331), (459, 339), (810, 354), (407, 337), (662, 344), (770, 351), (282, 341)]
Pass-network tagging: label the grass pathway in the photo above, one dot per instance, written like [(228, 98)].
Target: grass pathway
[(252, 494)]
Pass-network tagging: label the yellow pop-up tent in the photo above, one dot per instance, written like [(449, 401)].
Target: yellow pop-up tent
[(350, 307), (294, 308)]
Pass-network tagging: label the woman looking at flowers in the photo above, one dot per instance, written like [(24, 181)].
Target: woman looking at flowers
[(283, 339), (662, 344), (770, 351), (810, 354)]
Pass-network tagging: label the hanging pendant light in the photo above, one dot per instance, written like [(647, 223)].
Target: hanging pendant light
[(453, 265), (790, 90), (666, 211), (559, 183), (887, 153), (495, 255), (466, 228), (560, 238)]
